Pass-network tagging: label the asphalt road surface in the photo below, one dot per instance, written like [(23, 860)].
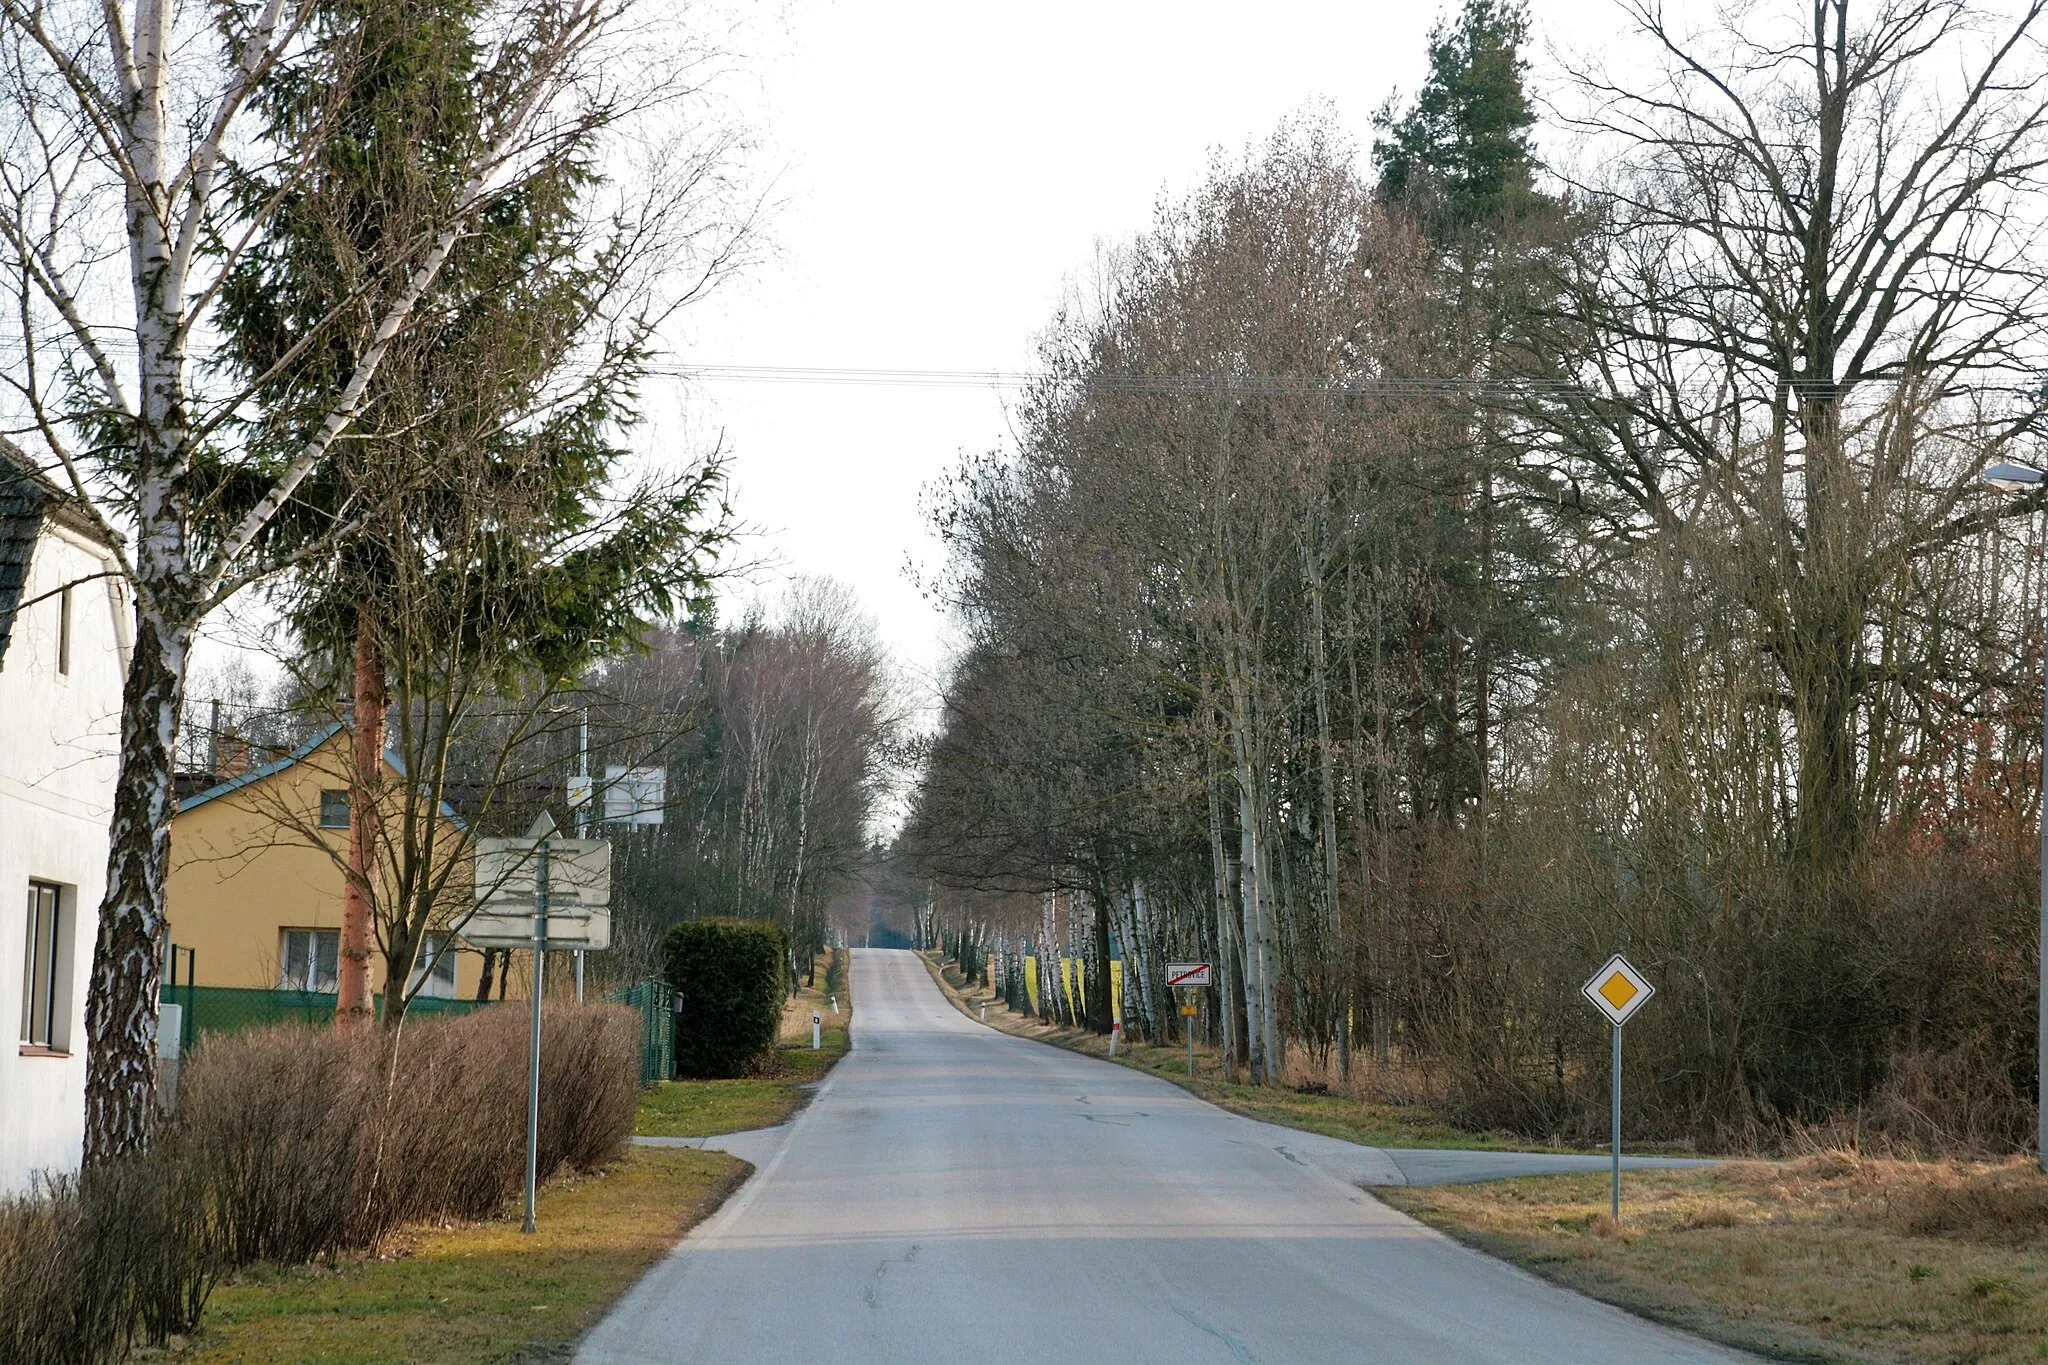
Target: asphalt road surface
[(954, 1193)]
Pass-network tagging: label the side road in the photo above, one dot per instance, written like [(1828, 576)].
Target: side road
[(1355, 1162)]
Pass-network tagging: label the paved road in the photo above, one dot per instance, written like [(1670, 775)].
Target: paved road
[(954, 1193)]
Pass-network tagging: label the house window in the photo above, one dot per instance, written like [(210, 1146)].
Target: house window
[(435, 975), (334, 808), (64, 630), (310, 960), (45, 993)]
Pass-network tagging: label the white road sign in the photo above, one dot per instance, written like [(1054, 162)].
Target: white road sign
[(634, 796), (1188, 973), (579, 893), (1618, 990)]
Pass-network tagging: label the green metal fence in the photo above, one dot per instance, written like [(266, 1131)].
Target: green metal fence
[(656, 1002), (230, 1009)]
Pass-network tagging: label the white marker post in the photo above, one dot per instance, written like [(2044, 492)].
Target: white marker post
[(815, 1023), (1187, 978), (1617, 990)]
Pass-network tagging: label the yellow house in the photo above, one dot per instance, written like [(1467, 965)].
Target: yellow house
[(256, 880)]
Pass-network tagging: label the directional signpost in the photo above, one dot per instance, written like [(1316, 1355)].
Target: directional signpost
[(1187, 978), (1618, 990), (538, 892)]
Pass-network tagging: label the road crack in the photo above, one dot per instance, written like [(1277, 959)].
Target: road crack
[(1237, 1348)]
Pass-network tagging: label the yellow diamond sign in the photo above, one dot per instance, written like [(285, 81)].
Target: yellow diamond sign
[(1618, 990)]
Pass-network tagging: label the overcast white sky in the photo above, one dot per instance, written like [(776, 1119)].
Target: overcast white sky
[(944, 169)]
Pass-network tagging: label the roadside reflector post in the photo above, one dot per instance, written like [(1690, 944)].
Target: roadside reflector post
[(815, 1021), (1617, 990)]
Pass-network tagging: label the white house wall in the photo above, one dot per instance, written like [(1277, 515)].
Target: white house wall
[(58, 740)]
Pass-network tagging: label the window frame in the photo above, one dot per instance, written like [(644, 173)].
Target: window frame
[(53, 1037), (64, 631), (309, 984), (334, 798), (436, 965)]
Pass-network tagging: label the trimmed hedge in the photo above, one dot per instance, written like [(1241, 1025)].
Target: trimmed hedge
[(731, 978)]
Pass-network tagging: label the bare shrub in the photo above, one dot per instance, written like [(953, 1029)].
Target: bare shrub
[(275, 1118), (87, 1264), (40, 1244), (452, 1116)]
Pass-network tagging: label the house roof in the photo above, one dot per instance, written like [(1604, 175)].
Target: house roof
[(320, 737), (27, 499), (23, 495)]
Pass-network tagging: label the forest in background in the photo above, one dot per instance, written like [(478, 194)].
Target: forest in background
[(1420, 574)]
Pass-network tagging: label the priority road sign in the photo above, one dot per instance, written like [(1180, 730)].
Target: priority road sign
[(1618, 990), (1188, 973)]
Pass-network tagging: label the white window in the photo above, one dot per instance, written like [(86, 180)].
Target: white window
[(309, 960), (46, 974), (64, 630), (435, 975)]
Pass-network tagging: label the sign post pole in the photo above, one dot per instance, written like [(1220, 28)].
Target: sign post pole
[(1616, 1099), (1188, 978), (1617, 990), (540, 957), (533, 892)]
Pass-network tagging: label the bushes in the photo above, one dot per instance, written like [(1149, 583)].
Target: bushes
[(731, 977), (294, 1143), (321, 1144), (86, 1263)]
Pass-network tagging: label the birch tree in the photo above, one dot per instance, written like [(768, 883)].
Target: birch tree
[(128, 132)]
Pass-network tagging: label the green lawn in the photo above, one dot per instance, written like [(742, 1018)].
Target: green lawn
[(706, 1108), (472, 1293)]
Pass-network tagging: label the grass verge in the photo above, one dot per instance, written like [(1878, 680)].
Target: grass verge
[(1829, 1257), (476, 1292), (1333, 1115), (707, 1108)]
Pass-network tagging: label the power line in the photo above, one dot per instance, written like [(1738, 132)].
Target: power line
[(1016, 380)]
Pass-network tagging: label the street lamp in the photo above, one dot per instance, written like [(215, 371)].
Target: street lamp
[(2018, 478)]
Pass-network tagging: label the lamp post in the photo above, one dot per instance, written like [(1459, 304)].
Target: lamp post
[(2018, 478)]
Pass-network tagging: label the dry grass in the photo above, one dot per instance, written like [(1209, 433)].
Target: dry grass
[(796, 1011), (1832, 1256), (472, 1292), (1314, 1108)]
